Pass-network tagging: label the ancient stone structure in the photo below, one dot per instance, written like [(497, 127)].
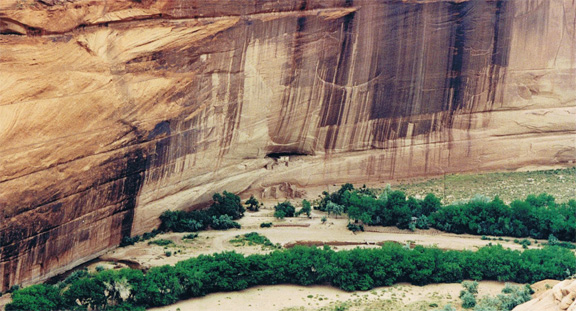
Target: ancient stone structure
[(114, 111)]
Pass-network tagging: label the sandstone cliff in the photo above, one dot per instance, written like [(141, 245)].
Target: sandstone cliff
[(560, 298), (114, 111)]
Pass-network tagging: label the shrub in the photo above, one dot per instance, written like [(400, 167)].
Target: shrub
[(253, 238), (470, 286), (150, 235), (190, 236), (126, 240), (168, 253), (225, 204), (284, 209), (306, 209), (252, 204), (224, 222), (75, 275), (266, 225), (468, 300), (354, 227), (161, 242)]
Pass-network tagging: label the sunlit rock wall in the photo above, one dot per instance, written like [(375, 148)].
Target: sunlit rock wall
[(114, 111)]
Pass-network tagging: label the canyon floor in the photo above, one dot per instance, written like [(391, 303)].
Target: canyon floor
[(305, 230), (311, 230)]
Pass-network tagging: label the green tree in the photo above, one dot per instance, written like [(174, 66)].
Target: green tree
[(41, 297), (284, 209), (88, 292), (227, 204), (306, 209), (252, 204)]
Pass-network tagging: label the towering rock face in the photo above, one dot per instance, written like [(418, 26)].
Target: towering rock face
[(114, 111)]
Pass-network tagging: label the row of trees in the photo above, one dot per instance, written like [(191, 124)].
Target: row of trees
[(358, 269), (221, 214), (538, 216)]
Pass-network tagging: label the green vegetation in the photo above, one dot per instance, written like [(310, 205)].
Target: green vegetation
[(284, 209), (223, 222), (161, 242), (266, 225), (190, 236), (226, 208), (536, 216), (552, 240), (253, 238), (468, 294), (358, 269), (525, 243), (126, 241), (507, 185), (510, 297), (306, 209), (252, 204), (36, 297)]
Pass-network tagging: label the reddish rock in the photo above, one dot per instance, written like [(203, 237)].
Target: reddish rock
[(114, 111)]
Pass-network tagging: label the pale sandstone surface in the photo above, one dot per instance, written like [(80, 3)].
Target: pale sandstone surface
[(561, 297), (114, 111)]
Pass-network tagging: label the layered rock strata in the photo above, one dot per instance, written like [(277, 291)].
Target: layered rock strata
[(113, 111)]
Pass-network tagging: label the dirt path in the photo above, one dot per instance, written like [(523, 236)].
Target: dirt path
[(293, 231), (278, 297)]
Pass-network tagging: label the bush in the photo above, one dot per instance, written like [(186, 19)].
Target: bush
[(266, 225), (127, 241), (284, 209), (225, 204), (75, 275), (355, 228), (161, 242), (150, 235), (168, 253), (253, 238), (224, 222), (252, 204), (470, 286), (306, 209), (468, 300), (190, 236)]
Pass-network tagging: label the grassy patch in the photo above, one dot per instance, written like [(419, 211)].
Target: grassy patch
[(253, 238), (507, 185), (161, 242)]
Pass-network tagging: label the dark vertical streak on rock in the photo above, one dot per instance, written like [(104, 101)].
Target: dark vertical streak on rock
[(135, 170), (333, 101), (500, 48), (455, 73)]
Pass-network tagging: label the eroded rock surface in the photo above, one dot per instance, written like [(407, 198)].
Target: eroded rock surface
[(114, 111), (560, 298)]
